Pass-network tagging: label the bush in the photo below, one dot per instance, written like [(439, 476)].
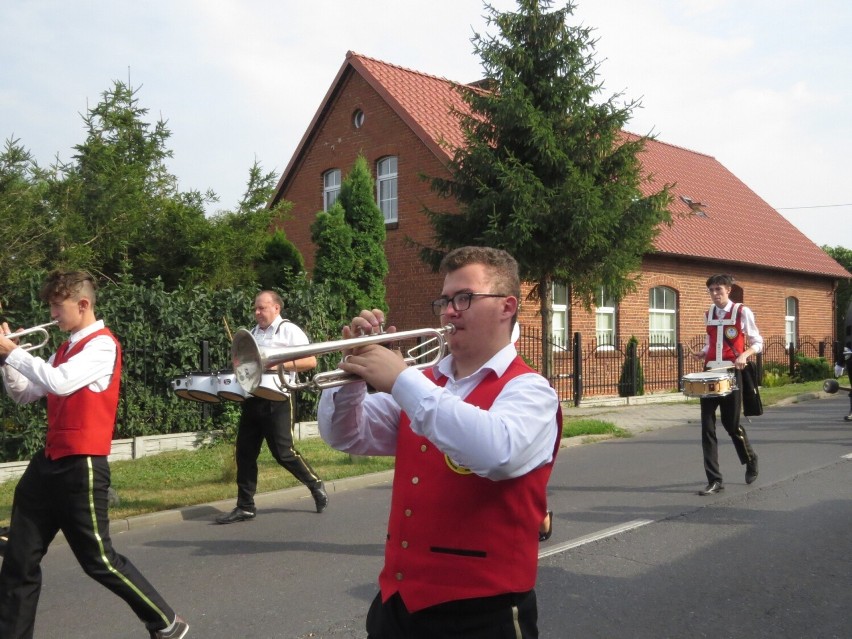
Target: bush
[(775, 374), (160, 333), (812, 369), (632, 380)]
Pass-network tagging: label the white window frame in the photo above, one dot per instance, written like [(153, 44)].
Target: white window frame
[(559, 322), (662, 317), (331, 180), (605, 320), (791, 321), (386, 188)]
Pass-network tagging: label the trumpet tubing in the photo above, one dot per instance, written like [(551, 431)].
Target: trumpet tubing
[(41, 328), (250, 360)]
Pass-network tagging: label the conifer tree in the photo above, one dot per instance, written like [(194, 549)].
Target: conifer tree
[(350, 239), (545, 172)]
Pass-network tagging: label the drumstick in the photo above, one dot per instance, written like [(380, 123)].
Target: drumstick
[(228, 328)]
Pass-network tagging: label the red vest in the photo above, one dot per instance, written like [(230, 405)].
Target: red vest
[(82, 423), (453, 534), (733, 335)]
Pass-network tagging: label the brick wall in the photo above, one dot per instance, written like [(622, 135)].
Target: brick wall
[(410, 285), (762, 290)]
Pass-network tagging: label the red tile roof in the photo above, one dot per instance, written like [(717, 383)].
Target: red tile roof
[(727, 221), (733, 223)]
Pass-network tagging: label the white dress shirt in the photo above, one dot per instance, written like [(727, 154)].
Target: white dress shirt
[(279, 334), (516, 435), (28, 378)]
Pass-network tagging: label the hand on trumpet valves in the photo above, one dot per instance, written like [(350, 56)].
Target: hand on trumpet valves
[(375, 364)]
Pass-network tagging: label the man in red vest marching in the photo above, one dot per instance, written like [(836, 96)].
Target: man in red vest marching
[(475, 439), (65, 486), (732, 336)]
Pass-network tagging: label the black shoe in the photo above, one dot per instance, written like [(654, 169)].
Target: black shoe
[(179, 629), (320, 496), (751, 470), (237, 514), (544, 535), (712, 488)]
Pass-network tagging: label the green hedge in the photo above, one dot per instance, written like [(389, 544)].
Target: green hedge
[(160, 332)]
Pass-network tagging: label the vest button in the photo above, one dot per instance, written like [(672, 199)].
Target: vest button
[(408, 512), (422, 448), (415, 480), (398, 576), (405, 544)]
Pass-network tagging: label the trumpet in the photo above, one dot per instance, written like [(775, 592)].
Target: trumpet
[(250, 360), (41, 328)]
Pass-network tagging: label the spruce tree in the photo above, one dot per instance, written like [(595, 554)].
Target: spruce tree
[(545, 172)]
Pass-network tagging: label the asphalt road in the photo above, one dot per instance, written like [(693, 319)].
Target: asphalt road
[(635, 553)]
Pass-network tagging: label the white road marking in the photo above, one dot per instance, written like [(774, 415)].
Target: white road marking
[(601, 534), (849, 456)]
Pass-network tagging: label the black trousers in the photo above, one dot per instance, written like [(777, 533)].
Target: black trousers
[(68, 494), (730, 407), (263, 419), (509, 616)]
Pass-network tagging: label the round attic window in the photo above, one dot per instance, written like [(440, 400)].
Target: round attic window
[(358, 118)]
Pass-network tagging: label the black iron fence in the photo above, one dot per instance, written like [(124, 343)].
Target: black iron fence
[(635, 367)]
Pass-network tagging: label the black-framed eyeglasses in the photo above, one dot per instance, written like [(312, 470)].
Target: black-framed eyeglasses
[(460, 301)]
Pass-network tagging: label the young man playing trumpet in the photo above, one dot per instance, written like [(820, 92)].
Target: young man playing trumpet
[(475, 439), (66, 484)]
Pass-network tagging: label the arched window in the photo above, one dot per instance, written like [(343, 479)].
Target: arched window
[(662, 316), (386, 194), (791, 320), (605, 319), (330, 188)]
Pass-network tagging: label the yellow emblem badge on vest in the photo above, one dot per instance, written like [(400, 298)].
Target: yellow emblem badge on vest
[(453, 466), (731, 332)]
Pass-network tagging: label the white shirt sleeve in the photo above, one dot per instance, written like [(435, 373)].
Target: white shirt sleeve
[(749, 327), (31, 377), (516, 435)]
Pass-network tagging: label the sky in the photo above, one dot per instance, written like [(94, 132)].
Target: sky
[(764, 86)]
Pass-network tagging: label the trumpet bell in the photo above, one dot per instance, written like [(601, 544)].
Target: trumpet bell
[(247, 360)]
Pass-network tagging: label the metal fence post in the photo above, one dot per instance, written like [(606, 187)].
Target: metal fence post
[(578, 368)]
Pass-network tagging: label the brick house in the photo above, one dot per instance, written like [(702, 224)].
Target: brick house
[(400, 120)]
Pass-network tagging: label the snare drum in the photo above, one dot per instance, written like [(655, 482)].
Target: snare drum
[(228, 388), (270, 388), (709, 384), (202, 388), (180, 387)]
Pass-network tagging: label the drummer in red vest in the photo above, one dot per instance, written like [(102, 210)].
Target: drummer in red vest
[(66, 484), (732, 336), (475, 438)]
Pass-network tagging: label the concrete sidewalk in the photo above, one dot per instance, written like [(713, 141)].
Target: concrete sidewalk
[(652, 412)]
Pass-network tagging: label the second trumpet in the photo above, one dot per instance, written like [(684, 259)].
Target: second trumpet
[(41, 328), (250, 360)]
